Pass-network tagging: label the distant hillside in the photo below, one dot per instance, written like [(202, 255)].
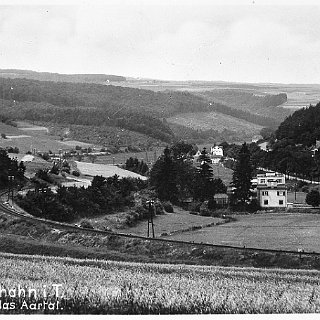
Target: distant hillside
[(57, 77), (261, 104), (94, 104)]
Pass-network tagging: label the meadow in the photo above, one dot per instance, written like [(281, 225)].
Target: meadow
[(107, 287), (281, 231), (105, 170)]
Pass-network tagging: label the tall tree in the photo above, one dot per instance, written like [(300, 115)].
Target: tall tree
[(163, 177), (242, 175)]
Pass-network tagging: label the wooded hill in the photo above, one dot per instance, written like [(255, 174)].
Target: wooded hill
[(302, 127), (57, 77), (265, 107), (94, 104)]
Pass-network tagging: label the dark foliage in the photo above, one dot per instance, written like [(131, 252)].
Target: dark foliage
[(313, 198), (134, 165), (242, 175), (104, 196), (10, 167)]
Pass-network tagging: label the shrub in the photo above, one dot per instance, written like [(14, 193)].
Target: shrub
[(45, 156), (3, 136), (313, 198), (205, 212), (75, 173), (194, 206), (86, 224), (167, 206)]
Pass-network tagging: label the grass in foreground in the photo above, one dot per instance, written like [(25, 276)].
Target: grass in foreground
[(107, 287)]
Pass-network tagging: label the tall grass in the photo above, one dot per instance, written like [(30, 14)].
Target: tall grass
[(106, 287)]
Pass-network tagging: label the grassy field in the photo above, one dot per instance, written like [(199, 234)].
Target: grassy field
[(120, 158), (216, 121), (269, 231), (170, 222), (93, 169), (107, 287)]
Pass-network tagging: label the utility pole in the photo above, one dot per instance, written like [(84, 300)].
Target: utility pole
[(10, 187), (150, 218)]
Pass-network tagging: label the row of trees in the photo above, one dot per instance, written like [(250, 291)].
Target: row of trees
[(134, 165)]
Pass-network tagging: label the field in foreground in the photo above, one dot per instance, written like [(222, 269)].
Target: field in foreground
[(107, 287)]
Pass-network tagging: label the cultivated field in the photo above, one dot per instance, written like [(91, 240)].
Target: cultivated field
[(105, 170), (216, 121), (284, 231), (106, 287), (120, 158)]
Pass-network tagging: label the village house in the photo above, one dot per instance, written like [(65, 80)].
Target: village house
[(271, 190), (216, 153)]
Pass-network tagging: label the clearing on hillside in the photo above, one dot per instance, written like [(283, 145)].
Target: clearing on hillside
[(216, 121), (105, 170)]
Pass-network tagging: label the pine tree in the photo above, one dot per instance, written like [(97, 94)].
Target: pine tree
[(205, 169), (163, 177), (242, 176)]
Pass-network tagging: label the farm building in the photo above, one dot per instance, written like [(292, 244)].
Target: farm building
[(271, 190), (221, 199)]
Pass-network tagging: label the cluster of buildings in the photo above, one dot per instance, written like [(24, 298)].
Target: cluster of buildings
[(269, 188), (215, 154)]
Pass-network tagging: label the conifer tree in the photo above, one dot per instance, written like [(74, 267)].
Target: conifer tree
[(163, 177), (242, 176)]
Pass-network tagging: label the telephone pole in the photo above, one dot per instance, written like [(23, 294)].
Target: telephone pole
[(150, 218)]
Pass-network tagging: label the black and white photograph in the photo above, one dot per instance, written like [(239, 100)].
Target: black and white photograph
[(159, 158)]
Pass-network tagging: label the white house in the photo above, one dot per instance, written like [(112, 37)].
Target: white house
[(216, 151), (271, 190)]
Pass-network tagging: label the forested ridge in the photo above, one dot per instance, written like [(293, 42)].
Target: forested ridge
[(94, 104), (302, 127), (49, 76)]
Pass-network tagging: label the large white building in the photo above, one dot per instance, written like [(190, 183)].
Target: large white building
[(216, 153), (271, 190)]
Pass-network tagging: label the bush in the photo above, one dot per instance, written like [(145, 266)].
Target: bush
[(313, 198), (3, 136), (194, 206), (75, 173), (86, 224), (45, 156), (305, 189), (205, 213), (167, 206)]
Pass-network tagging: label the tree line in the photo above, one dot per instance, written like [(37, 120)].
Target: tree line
[(104, 196)]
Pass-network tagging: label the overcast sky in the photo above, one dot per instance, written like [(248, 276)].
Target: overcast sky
[(190, 41)]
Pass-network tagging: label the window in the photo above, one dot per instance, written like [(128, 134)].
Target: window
[(281, 193), (280, 202), (262, 181), (264, 193), (265, 202)]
